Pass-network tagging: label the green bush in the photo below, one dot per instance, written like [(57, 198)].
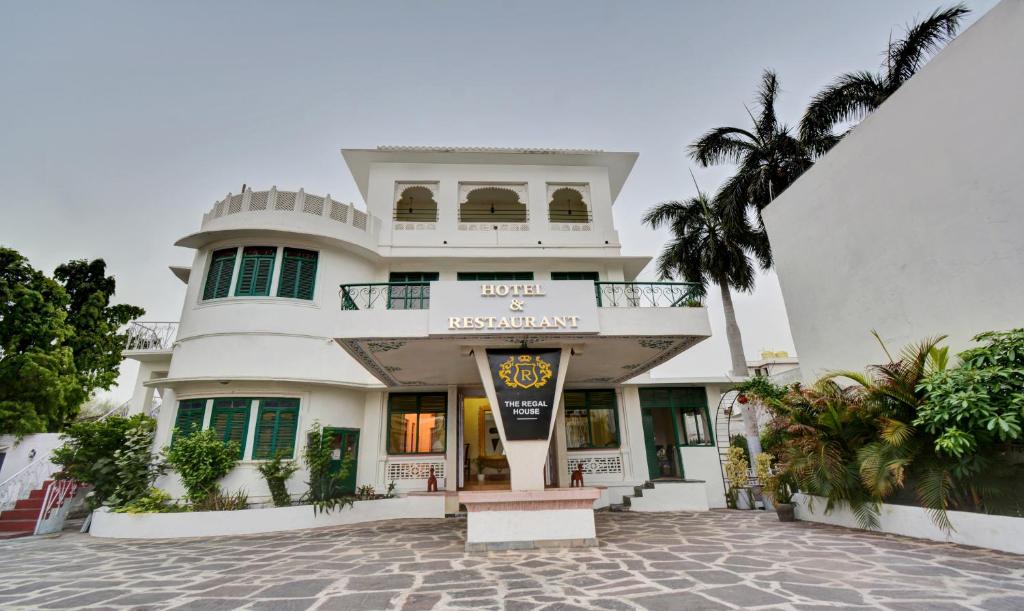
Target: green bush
[(89, 454), (153, 501), (276, 472), (136, 466), (218, 500), (325, 488), (201, 460), (979, 404)]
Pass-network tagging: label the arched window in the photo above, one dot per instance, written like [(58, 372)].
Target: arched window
[(567, 206), (492, 204), (416, 203)]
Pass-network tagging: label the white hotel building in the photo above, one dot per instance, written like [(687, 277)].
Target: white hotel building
[(302, 309)]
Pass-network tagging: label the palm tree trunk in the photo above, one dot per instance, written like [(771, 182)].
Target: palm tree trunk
[(739, 370)]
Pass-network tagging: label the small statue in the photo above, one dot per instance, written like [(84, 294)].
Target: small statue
[(577, 476), (432, 481)]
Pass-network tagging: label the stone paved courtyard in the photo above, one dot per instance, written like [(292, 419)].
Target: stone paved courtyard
[(714, 560)]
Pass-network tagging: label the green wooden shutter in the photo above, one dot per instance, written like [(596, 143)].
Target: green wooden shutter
[(190, 417), (276, 428), (255, 271), (230, 420), (298, 274), (218, 278), (575, 276), (493, 276)]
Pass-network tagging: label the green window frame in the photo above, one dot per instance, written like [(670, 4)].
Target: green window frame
[(230, 420), (218, 276), (575, 276), (404, 297), (255, 271), (493, 276), (587, 417), (689, 405), (277, 428), (189, 418), (297, 278), (405, 409)]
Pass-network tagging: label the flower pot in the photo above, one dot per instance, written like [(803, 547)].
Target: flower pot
[(785, 512), (745, 499), (480, 477)]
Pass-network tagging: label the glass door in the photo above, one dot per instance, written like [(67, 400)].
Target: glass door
[(344, 442)]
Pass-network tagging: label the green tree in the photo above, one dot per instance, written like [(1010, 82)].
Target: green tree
[(768, 157), (854, 95), (96, 342), (39, 389), (709, 246)]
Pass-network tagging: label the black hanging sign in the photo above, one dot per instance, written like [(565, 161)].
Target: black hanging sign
[(525, 381)]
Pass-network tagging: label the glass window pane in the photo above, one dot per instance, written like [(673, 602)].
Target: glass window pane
[(577, 434), (431, 433), (602, 428), (696, 428), (402, 426)]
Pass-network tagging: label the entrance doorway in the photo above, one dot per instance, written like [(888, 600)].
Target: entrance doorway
[(344, 442), (485, 466), (661, 439)]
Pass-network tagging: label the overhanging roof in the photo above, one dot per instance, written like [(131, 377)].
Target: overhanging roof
[(619, 164)]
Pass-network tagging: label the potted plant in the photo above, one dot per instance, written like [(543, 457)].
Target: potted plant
[(480, 477), (736, 475), (783, 499)]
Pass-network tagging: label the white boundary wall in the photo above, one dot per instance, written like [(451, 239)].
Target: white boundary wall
[(253, 521), (1002, 533)]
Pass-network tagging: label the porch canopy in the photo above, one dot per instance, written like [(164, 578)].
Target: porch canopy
[(425, 334)]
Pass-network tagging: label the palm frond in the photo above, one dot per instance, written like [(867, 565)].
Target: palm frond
[(722, 145), (767, 93), (850, 97), (933, 491), (921, 41)]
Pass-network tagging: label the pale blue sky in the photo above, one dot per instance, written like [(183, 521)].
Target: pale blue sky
[(121, 122)]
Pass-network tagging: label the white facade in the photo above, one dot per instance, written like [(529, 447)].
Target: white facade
[(342, 346), (912, 225)]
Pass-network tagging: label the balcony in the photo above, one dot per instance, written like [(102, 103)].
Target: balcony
[(416, 295), (150, 337)]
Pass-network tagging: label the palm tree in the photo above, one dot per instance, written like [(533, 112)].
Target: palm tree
[(769, 156), (711, 246), (853, 95)]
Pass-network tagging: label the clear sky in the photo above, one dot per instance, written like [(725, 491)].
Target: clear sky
[(122, 122)]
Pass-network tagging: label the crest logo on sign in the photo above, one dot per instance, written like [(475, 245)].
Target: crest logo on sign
[(527, 371)]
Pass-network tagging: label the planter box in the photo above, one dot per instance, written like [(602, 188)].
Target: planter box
[(1002, 533), (252, 521)]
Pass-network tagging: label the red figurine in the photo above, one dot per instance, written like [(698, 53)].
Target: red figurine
[(577, 476), (432, 481)]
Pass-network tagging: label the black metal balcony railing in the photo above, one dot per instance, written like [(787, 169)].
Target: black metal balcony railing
[(647, 295), (493, 216), (568, 215), (385, 295), (416, 215), (416, 295)]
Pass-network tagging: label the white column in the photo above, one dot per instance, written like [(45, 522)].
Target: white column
[(451, 464)]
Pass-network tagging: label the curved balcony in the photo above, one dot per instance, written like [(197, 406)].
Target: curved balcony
[(287, 213)]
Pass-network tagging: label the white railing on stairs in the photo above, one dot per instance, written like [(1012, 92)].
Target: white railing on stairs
[(29, 478), (57, 502)]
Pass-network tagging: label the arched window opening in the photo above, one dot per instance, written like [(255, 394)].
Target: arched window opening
[(492, 204), (416, 204), (567, 206)]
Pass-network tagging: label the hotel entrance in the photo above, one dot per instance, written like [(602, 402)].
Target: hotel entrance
[(482, 455)]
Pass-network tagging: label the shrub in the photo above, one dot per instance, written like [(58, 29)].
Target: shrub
[(136, 467), (201, 460), (276, 472), (88, 453), (153, 501), (980, 403), (325, 488), (365, 492), (736, 473), (218, 500)]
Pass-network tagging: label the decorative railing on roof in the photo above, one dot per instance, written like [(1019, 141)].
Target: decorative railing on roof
[(298, 202), (151, 336)]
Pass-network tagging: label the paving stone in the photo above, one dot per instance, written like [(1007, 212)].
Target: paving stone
[(744, 596), (675, 601), (830, 595), (363, 601), (297, 589), (84, 599), (284, 604)]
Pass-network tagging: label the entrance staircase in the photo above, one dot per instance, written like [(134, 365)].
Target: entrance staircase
[(21, 521), (665, 495)]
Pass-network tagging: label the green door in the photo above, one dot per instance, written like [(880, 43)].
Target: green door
[(661, 438), (344, 442), (653, 471)]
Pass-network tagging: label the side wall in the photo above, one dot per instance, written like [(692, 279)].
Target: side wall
[(18, 453), (912, 225)]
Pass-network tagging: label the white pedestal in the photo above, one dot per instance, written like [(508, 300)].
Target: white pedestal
[(511, 519)]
